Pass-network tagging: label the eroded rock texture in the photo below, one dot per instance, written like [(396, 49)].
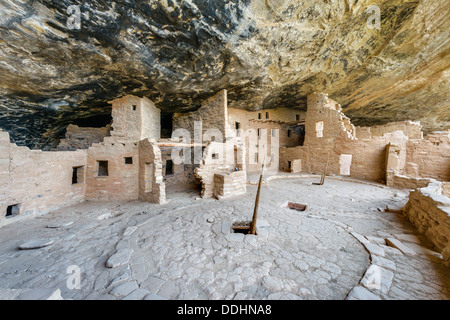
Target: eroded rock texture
[(266, 53)]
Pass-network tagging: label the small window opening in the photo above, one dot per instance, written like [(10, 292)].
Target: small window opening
[(13, 210), (267, 115), (297, 117), (102, 169), (289, 133), (134, 107), (128, 160), (259, 116), (215, 156), (77, 175)]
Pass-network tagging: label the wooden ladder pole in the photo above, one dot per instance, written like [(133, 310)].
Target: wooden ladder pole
[(255, 211)]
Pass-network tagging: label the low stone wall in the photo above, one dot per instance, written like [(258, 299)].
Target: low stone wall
[(404, 182), (230, 184), (429, 210)]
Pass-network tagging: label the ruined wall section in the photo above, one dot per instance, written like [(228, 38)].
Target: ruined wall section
[(411, 129), (213, 114), (295, 156), (430, 157), (182, 173), (429, 210), (325, 126), (82, 137), (281, 124), (230, 157), (38, 181), (369, 155), (151, 185), (330, 137)]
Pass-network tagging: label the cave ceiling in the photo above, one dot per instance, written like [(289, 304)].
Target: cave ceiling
[(62, 61)]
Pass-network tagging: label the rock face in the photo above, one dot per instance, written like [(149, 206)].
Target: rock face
[(61, 63)]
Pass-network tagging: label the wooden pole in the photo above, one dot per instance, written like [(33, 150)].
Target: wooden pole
[(255, 212)]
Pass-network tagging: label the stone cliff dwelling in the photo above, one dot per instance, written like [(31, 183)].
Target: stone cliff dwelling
[(205, 171)]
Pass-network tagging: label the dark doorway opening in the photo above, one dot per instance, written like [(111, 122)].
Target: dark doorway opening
[(77, 175), (169, 167), (102, 169), (166, 126), (13, 210)]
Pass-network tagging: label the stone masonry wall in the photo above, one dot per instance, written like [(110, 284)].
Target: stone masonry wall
[(285, 121), (212, 115), (183, 173), (330, 136), (430, 157), (429, 210), (232, 157), (369, 155), (82, 138), (150, 172), (230, 184), (135, 118), (122, 180), (39, 181), (411, 129)]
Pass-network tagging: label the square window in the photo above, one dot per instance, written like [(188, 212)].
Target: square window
[(128, 160), (102, 169)]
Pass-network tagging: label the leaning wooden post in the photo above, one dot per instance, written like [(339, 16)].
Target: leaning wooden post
[(255, 212)]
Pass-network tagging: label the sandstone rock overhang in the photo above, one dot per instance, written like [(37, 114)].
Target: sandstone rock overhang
[(267, 54)]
